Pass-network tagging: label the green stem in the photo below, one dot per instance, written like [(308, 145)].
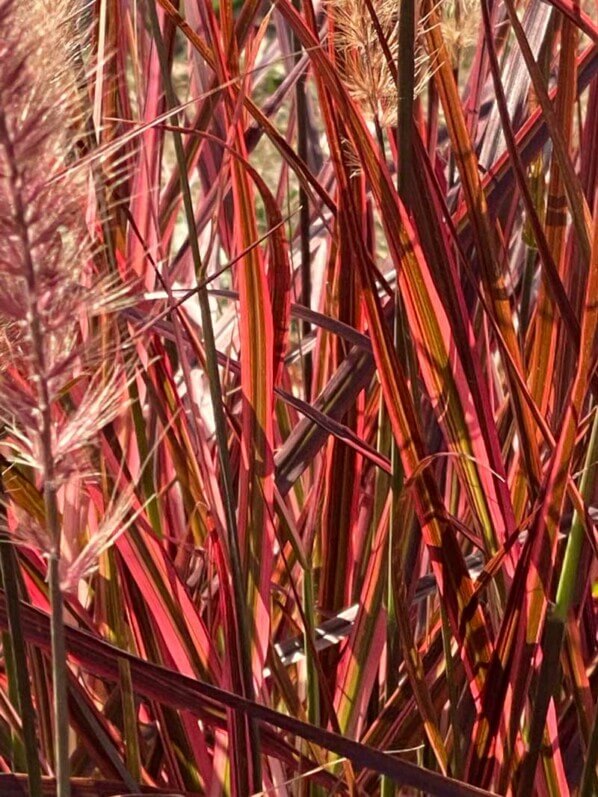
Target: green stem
[(305, 267), (589, 779), (569, 581), (15, 182), (557, 618), (406, 84), (61, 716)]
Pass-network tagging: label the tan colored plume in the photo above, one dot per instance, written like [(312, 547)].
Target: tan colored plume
[(365, 64)]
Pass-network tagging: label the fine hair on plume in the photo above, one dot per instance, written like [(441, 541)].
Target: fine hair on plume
[(366, 35), (61, 381)]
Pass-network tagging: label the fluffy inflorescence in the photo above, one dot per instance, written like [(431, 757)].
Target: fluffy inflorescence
[(365, 58), (365, 64), (43, 241), (461, 20), (53, 397)]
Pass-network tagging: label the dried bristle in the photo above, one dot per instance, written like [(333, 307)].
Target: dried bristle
[(364, 62), (43, 237), (365, 65), (44, 247), (460, 24), (46, 293)]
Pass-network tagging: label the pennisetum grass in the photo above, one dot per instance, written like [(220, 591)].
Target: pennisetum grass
[(298, 397), (40, 258), (46, 299)]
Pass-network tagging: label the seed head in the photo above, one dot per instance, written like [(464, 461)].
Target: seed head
[(364, 54)]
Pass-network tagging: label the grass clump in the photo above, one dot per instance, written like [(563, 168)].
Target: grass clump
[(298, 398)]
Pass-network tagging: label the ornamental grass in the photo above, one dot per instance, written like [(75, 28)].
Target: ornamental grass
[(298, 398)]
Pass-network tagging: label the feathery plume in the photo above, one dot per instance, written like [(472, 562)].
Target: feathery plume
[(45, 291), (365, 64), (460, 24)]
